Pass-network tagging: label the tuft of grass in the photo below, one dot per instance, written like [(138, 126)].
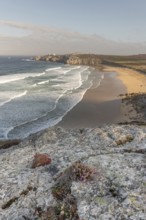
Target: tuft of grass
[(82, 172), (125, 140)]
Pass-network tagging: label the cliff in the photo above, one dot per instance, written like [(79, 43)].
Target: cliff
[(114, 156), (53, 58), (84, 59), (73, 59), (135, 62)]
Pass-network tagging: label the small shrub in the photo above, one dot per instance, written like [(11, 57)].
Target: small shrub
[(125, 140), (82, 172)]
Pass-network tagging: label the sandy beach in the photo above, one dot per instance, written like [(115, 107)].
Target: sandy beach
[(133, 106), (134, 81), (103, 105)]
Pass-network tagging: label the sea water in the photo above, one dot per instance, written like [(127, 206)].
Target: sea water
[(35, 95)]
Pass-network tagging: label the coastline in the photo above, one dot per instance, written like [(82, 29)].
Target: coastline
[(27, 191), (108, 103), (133, 106), (100, 105), (134, 81), (111, 102)]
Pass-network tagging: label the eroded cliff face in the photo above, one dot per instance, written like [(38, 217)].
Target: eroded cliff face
[(90, 60), (73, 59)]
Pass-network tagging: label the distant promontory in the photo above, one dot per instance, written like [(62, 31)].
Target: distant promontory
[(73, 59), (135, 62)]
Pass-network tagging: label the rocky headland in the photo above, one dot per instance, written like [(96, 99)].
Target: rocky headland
[(76, 174), (73, 59), (134, 62)]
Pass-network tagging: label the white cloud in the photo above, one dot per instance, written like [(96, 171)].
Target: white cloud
[(43, 40)]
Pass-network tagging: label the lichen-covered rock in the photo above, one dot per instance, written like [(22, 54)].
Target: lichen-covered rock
[(41, 160), (117, 191)]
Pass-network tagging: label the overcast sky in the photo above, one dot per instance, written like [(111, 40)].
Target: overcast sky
[(33, 27)]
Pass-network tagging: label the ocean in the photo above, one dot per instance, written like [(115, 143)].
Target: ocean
[(35, 95)]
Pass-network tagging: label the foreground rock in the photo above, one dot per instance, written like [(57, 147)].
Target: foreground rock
[(115, 157), (137, 112)]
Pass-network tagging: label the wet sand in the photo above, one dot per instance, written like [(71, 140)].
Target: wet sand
[(101, 105)]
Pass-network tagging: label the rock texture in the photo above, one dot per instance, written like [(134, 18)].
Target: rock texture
[(117, 189), (53, 58), (138, 103), (84, 59), (73, 59), (135, 62)]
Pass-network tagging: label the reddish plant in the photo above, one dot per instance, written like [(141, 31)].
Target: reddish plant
[(40, 160)]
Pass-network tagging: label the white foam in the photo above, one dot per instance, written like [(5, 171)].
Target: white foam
[(67, 71), (73, 80), (76, 98), (14, 97), (76, 67), (4, 133), (62, 70), (56, 85), (35, 119), (99, 82), (50, 122), (43, 82), (66, 85), (102, 78), (28, 60), (55, 68), (16, 77), (34, 85)]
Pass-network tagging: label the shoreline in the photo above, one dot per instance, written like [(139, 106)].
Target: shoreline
[(110, 103), (134, 81), (113, 102), (100, 105), (82, 173), (133, 106)]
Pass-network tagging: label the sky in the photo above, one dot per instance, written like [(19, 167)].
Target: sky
[(37, 27)]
